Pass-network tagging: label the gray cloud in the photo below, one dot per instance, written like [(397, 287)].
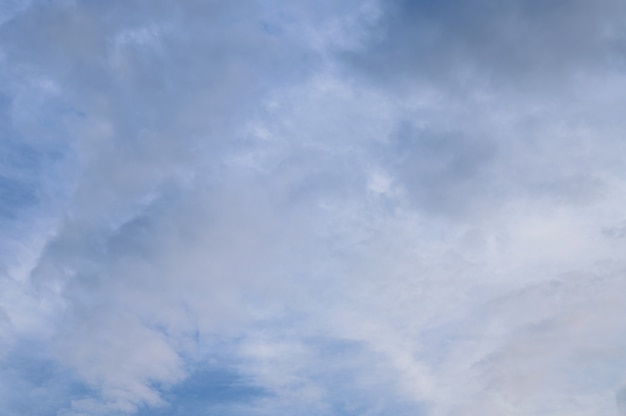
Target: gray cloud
[(506, 44), (445, 171), (355, 208)]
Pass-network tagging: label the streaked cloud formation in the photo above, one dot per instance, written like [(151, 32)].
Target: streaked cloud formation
[(312, 208)]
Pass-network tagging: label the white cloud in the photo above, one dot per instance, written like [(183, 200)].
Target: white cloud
[(360, 214)]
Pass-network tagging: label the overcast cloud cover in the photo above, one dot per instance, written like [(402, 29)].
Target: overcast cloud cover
[(278, 208)]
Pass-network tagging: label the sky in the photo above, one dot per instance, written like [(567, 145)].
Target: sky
[(312, 208)]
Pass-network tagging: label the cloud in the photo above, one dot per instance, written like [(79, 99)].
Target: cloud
[(477, 42), (321, 208)]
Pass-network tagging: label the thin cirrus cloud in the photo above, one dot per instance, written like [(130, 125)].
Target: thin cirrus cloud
[(316, 208)]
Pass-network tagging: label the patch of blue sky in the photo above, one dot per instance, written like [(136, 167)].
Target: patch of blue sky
[(10, 8), (50, 386), (346, 370), (34, 187), (209, 391)]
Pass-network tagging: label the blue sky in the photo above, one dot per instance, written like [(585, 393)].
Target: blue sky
[(325, 208)]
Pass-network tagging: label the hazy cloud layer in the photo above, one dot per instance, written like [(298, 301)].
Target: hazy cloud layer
[(312, 208)]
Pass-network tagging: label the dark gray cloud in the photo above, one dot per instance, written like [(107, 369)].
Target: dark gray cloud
[(504, 44)]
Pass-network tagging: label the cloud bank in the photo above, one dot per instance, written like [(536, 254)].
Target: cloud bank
[(316, 208)]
